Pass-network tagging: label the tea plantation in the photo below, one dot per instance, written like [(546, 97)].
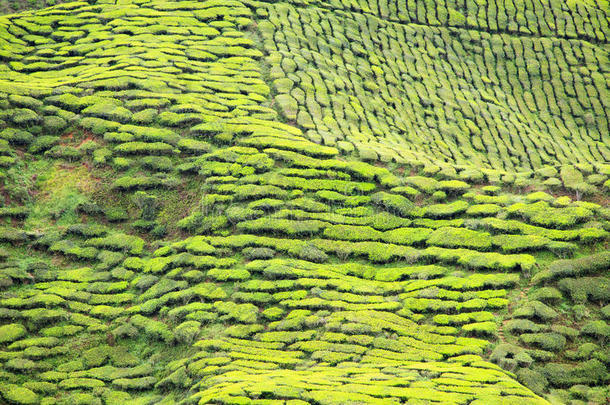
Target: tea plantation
[(301, 202)]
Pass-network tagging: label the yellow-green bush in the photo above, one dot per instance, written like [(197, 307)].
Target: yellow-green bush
[(460, 237)]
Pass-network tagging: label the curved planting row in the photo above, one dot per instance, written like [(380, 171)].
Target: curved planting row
[(432, 95), (557, 335)]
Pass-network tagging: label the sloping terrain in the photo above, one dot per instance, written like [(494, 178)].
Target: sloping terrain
[(428, 83), (296, 202)]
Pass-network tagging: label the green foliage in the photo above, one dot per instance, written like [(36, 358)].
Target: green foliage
[(535, 310), (394, 203), (303, 282), (187, 331), (459, 237), (606, 311), (562, 249), (407, 236), (453, 186), (518, 326), (546, 294), (16, 136), (446, 210), (598, 329), (255, 192), (193, 146), (547, 341), (43, 143), (519, 243), (285, 226), (298, 145), (99, 126), (11, 332), (152, 328), (483, 209), (540, 213), (15, 394), (253, 253), (309, 252), (575, 267), (354, 233), (586, 288), (481, 328), (119, 242), (141, 383), (61, 331), (509, 356), (108, 110), (533, 380), (246, 313), (564, 375), (144, 148), (80, 383), (426, 184), (12, 235)]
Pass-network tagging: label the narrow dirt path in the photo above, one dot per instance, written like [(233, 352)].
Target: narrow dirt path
[(522, 296)]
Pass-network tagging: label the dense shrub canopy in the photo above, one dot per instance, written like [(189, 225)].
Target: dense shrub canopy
[(321, 202)]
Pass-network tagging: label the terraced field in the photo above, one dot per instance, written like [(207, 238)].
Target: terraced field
[(305, 202)]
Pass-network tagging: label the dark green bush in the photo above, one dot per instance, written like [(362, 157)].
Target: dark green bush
[(25, 101), (583, 352), (187, 331), (155, 329), (79, 398), (253, 253), (141, 383), (99, 126), (54, 124), (157, 163), (548, 295), (565, 375), (43, 143), (426, 184), (453, 186), (69, 153), (518, 326), (127, 183), (309, 252), (351, 232), (606, 311), (547, 341), (24, 117), (535, 310), (119, 242), (586, 288), (509, 356), (394, 203), (237, 214), (533, 380), (566, 331), (598, 329), (17, 136), (575, 267)]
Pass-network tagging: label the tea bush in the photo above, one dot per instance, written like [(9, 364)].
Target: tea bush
[(268, 261)]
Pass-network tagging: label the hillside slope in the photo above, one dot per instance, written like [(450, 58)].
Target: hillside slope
[(304, 202)]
